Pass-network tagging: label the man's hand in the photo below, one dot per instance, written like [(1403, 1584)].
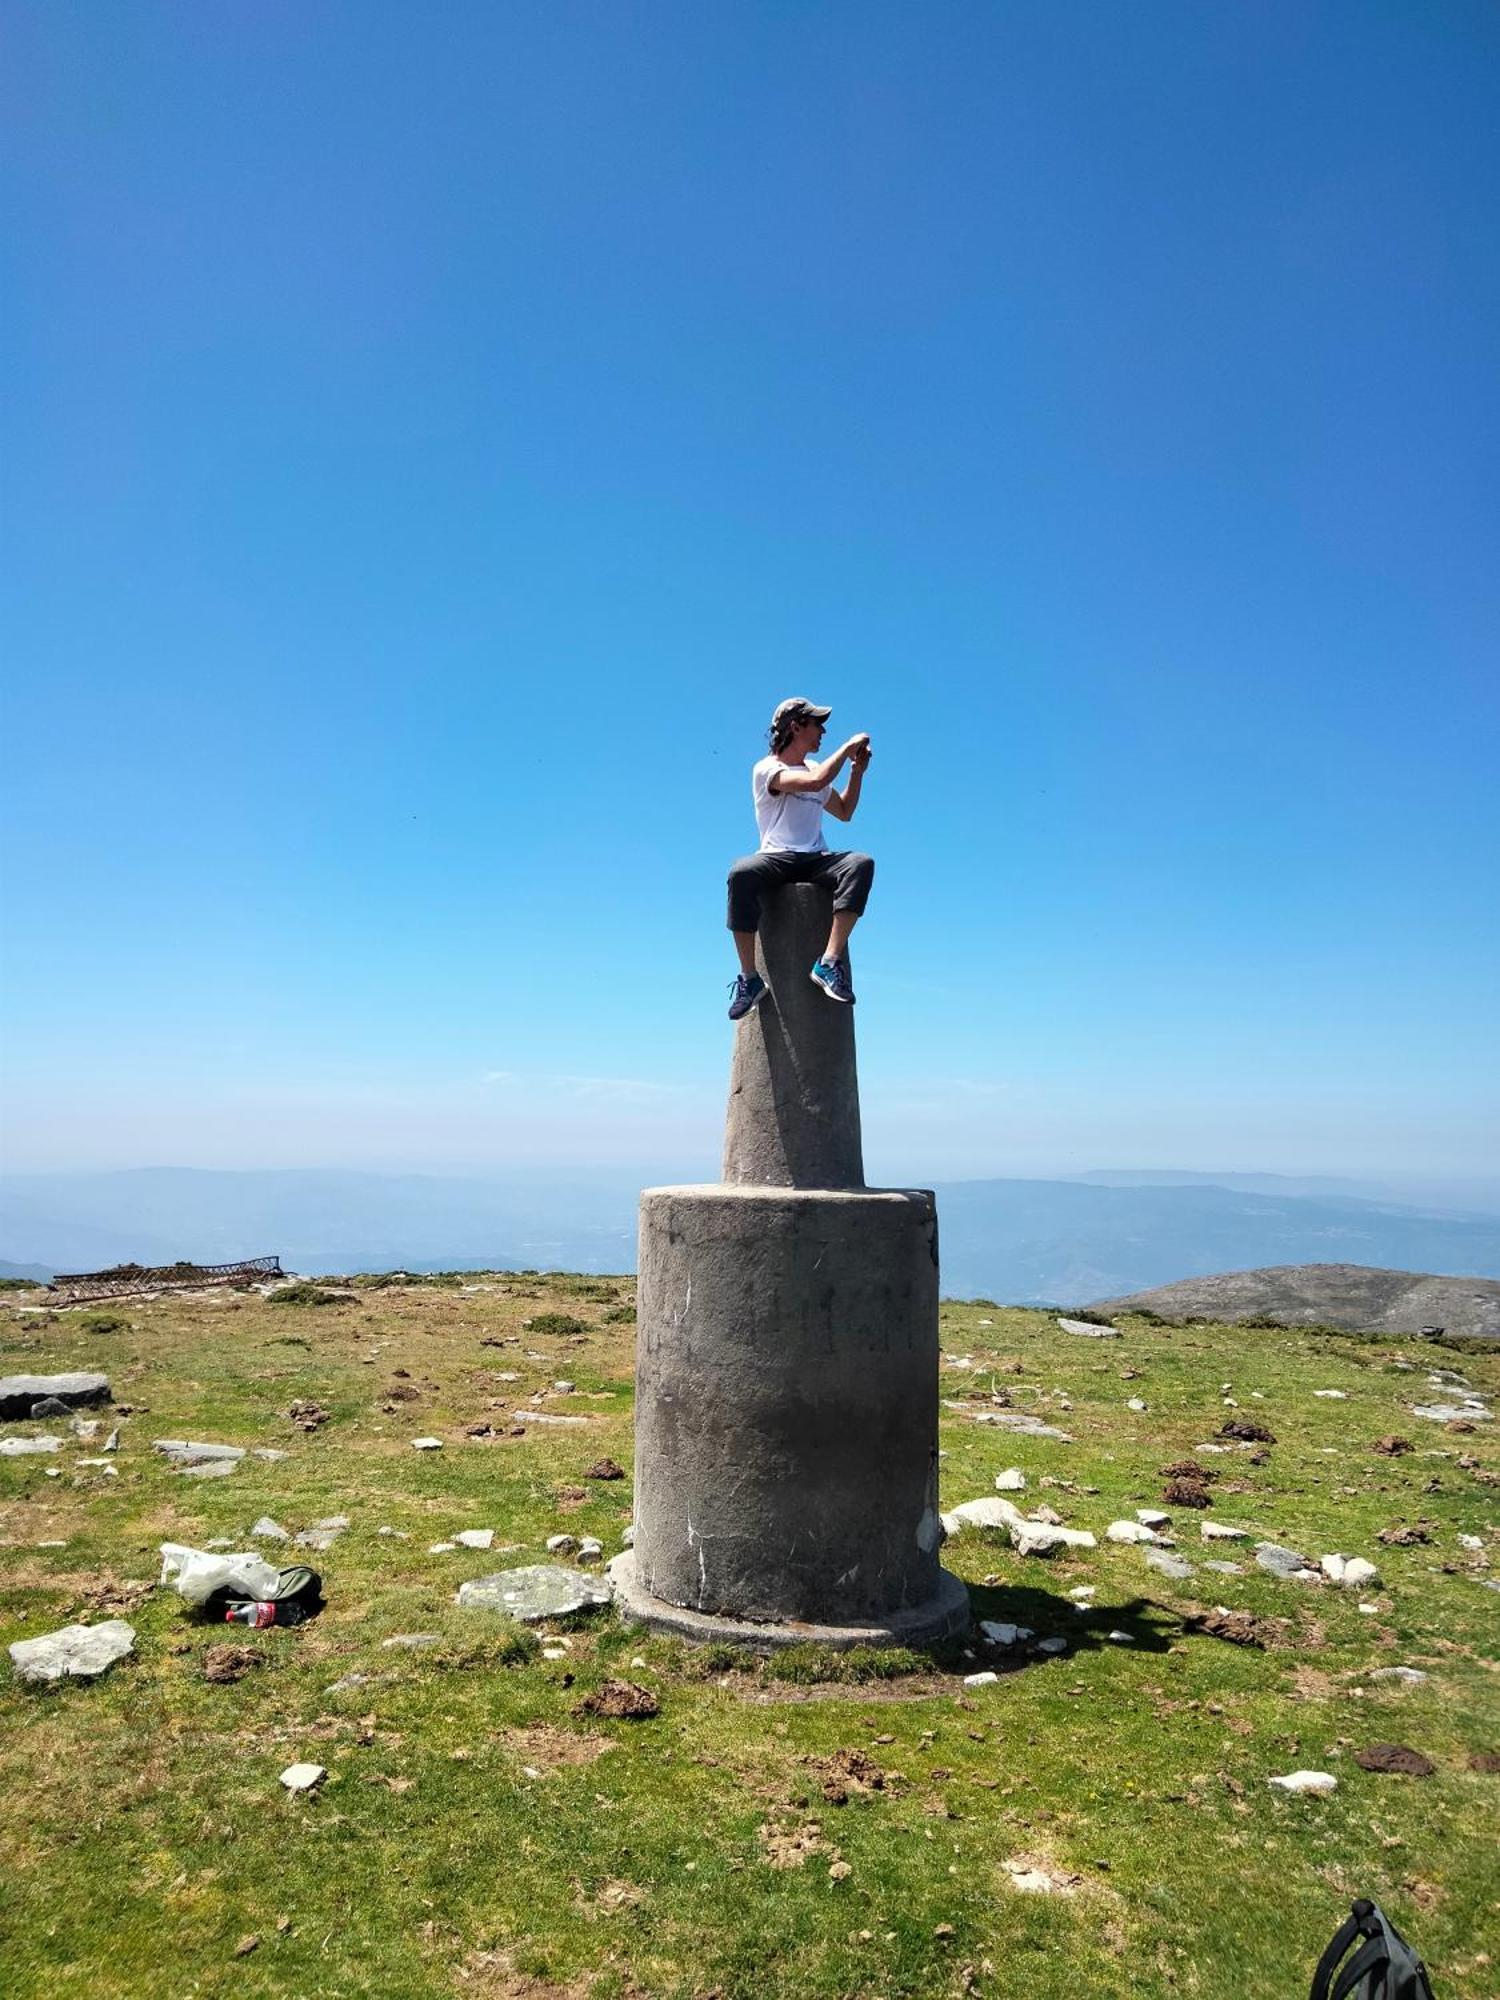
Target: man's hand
[(859, 752)]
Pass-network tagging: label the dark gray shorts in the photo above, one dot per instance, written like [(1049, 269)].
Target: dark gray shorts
[(848, 875)]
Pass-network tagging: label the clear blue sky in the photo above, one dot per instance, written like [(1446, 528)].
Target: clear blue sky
[(435, 438)]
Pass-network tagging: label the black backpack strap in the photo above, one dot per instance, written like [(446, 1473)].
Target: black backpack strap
[(1372, 1953), (1352, 1927)]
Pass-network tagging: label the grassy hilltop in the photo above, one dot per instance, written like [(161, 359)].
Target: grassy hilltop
[(811, 1826)]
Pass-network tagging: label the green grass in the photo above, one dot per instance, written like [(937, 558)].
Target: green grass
[(146, 1833)]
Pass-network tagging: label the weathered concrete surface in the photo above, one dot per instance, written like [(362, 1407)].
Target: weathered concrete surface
[(786, 1404), (945, 1615), (793, 1116), (80, 1652)]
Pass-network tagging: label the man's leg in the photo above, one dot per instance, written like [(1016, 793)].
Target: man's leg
[(749, 878), (850, 875)]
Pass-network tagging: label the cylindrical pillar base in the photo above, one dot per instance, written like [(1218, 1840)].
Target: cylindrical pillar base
[(786, 1415)]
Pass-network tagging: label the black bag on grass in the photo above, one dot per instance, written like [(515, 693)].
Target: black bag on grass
[(297, 1597), (1383, 1968)]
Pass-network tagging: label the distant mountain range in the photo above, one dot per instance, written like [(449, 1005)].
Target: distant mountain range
[(1019, 1241)]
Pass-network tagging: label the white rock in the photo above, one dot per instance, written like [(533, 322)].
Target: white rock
[(1370, 1610), (1036, 1881), (1230, 1403), (544, 1417), (986, 1322), (1012, 1480), (1001, 1634), (590, 1548), (103, 1465), (1306, 1781), (26, 1447), (565, 1388), (1451, 1413), (475, 1538), (1220, 1531), (441, 1548), (627, 1536), (112, 1442), (1333, 1567), (1135, 1403), (85, 1429), (1408, 1676), (1153, 1517), (1351, 1571), (554, 1653), (427, 1444), (1056, 1644), (302, 1777), (1331, 1396), (1118, 1638), (1083, 1591), (1089, 1331), (270, 1531), (561, 1545), (1130, 1531), (988, 1512), (983, 1680), (1036, 1538), (79, 1652), (1472, 1542)]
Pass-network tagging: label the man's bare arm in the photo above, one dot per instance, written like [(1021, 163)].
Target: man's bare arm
[(790, 779), (842, 804)]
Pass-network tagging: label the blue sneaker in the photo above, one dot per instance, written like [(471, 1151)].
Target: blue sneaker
[(746, 993), (833, 976)]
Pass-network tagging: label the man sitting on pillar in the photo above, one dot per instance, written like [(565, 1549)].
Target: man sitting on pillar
[(791, 795)]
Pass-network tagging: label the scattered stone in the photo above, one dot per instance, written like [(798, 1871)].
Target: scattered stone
[(987, 1512), (268, 1530), (73, 1391), (1246, 1433), (1351, 1571), (1220, 1531), (1135, 1403), (1000, 1633), (1473, 1543), (1408, 1676), (475, 1538), (77, 1652), (187, 1456), (538, 1591), (268, 1453), (1392, 1446), (1056, 1644), (441, 1548), (590, 1549), (303, 1777), (1088, 1330), (565, 1388), (981, 1680), (412, 1641), (1332, 1396), (350, 1683), (1012, 1480), (208, 1468), (1153, 1517), (1130, 1531), (605, 1468), (561, 1545), (1406, 1538), (307, 1416), (323, 1534), (1169, 1564), (1395, 1757), (545, 1417), (1020, 1421), (1048, 1516), (1306, 1781), (1279, 1561), (1226, 1568), (112, 1442), (427, 1444), (28, 1447), (1119, 1638), (620, 1701), (1036, 1538), (627, 1536), (49, 1406), (1438, 1413)]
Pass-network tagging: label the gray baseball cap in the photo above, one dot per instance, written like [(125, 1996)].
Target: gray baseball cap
[(798, 704)]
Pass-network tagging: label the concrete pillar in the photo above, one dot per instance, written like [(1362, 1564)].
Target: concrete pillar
[(786, 1373), (793, 1116)]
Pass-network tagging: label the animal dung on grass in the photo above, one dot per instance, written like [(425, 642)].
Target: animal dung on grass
[(1399, 1758)]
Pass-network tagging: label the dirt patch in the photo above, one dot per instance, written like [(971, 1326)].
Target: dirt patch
[(1312, 1684), (1239, 1628), (547, 1749), (786, 1846), (620, 1701), (1487, 1762), (611, 1898), (1189, 1468), (404, 1392), (1397, 1757), (223, 1665), (1185, 1493), (1392, 1446), (1246, 1432), (307, 1416), (848, 1774), (492, 1976), (1036, 1875), (1403, 1537)]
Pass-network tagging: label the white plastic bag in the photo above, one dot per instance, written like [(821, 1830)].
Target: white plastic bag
[(198, 1573)]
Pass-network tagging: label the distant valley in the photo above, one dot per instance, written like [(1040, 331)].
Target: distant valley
[(1016, 1241)]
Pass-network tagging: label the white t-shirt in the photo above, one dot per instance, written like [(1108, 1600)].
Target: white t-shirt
[(789, 822)]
